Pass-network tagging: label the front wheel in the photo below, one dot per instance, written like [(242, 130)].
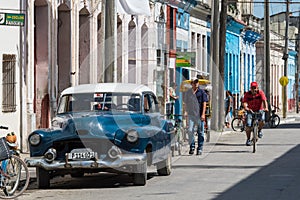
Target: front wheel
[(207, 135), (255, 137), (14, 177), (140, 174), (43, 178), (164, 167), (274, 121)]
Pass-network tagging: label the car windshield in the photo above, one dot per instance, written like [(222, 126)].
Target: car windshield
[(99, 102)]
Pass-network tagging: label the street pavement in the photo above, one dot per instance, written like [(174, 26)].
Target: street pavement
[(290, 117), (226, 170), (273, 172)]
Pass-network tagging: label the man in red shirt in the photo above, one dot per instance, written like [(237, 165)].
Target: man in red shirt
[(254, 100)]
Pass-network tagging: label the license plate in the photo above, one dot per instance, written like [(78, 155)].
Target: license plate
[(82, 155)]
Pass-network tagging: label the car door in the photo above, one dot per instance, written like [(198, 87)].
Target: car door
[(160, 139)]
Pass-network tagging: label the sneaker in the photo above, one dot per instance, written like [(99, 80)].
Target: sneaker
[(248, 143), (191, 152), (260, 134), (199, 152)]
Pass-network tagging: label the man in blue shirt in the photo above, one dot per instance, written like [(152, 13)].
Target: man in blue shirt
[(195, 104)]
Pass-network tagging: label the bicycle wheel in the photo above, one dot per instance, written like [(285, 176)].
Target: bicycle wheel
[(255, 136), (207, 135), (237, 124), (14, 177), (274, 121), (180, 140)]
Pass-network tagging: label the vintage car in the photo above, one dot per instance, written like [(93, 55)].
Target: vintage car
[(110, 127)]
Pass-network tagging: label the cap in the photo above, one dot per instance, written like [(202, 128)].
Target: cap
[(254, 84), (195, 80)]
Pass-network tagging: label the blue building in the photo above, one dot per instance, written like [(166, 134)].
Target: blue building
[(291, 71), (248, 55), (232, 66)]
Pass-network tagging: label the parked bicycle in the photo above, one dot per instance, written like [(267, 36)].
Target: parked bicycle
[(207, 128), (274, 119), (177, 137), (14, 173), (238, 123)]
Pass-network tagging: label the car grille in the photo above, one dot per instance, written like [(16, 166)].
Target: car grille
[(101, 146)]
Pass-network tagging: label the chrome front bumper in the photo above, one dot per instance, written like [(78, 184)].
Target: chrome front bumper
[(122, 160)]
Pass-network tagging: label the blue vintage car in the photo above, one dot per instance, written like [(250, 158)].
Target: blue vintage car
[(112, 127)]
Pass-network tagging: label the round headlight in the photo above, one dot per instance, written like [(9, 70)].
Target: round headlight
[(132, 136), (58, 123), (55, 123), (35, 139)]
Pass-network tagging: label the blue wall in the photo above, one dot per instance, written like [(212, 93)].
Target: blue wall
[(249, 57), (232, 63), (232, 72), (291, 74)]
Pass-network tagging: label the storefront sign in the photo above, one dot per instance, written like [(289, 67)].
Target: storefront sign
[(12, 19), (184, 59)]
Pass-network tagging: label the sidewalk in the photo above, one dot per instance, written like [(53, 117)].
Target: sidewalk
[(290, 116)]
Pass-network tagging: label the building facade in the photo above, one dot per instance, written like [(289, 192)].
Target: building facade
[(13, 107)]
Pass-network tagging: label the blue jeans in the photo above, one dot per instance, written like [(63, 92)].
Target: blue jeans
[(249, 117), (196, 121)]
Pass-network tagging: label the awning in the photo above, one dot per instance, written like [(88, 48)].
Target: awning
[(185, 85), (133, 7)]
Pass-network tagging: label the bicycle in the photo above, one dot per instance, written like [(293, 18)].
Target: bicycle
[(176, 144), (239, 123), (254, 126), (14, 173), (274, 119), (207, 128), (207, 122)]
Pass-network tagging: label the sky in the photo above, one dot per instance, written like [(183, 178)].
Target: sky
[(275, 6)]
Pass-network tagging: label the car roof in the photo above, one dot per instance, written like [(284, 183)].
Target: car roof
[(107, 87)]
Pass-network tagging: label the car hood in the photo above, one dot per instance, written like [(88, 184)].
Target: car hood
[(90, 124)]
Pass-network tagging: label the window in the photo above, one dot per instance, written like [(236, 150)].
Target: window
[(8, 83), (158, 57)]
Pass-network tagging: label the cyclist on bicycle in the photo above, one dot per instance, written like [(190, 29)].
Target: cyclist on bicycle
[(254, 101)]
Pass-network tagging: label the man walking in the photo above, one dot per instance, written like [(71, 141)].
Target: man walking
[(195, 104)]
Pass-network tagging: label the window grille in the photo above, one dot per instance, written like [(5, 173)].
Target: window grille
[(8, 83), (158, 57)]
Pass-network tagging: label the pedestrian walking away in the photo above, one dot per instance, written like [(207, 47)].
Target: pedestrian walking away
[(195, 100), (228, 108), (254, 101)]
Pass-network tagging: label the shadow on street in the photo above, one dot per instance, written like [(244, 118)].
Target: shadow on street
[(99, 180), (279, 180), (285, 126)]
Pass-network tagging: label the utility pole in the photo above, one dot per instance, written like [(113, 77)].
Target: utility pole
[(267, 50), (223, 21), (297, 68), (109, 40), (214, 63), (285, 57)]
